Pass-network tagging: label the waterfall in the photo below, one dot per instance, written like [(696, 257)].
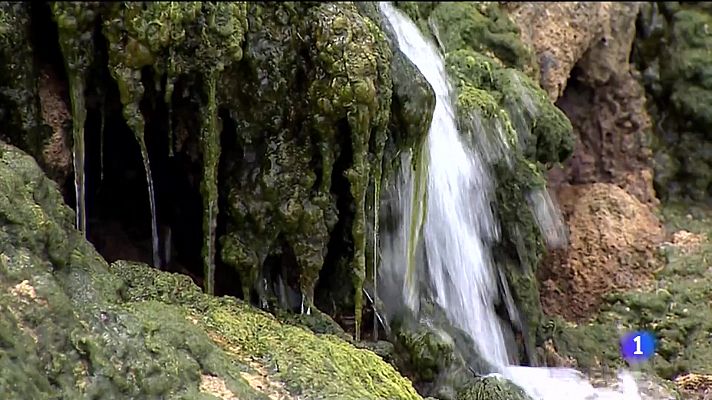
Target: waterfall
[(457, 228)]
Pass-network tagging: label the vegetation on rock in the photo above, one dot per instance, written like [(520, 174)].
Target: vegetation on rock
[(672, 50), (508, 114), (74, 326), (673, 307)]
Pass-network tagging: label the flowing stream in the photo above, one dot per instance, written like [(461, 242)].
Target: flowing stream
[(457, 227)]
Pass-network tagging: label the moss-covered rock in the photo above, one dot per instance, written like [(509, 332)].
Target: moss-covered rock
[(492, 388), (672, 50), (440, 357), (509, 116), (73, 327), (673, 308), (301, 93)]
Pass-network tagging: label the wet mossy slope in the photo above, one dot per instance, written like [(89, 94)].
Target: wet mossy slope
[(74, 327)]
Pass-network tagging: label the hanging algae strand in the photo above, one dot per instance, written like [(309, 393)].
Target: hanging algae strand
[(417, 220), (79, 114), (376, 199), (74, 23), (210, 140), (358, 178)]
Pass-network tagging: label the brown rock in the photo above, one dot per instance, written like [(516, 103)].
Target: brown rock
[(606, 106), (613, 242), (56, 154), (612, 128), (560, 34)]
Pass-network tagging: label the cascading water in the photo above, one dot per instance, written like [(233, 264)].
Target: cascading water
[(457, 228)]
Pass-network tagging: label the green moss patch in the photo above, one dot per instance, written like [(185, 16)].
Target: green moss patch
[(73, 327)]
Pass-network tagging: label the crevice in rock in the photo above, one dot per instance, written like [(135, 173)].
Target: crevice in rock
[(227, 279), (117, 204), (54, 153), (332, 294)]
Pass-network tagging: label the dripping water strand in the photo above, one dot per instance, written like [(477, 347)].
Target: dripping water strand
[(101, 136), (168, 100), (78, 118), (151, 201)]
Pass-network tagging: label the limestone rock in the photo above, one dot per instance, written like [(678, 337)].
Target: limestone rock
[(560, 34), (613, 240)]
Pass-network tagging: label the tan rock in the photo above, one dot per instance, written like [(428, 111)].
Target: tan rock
[(613, 244), (604, 101), (560, 34)]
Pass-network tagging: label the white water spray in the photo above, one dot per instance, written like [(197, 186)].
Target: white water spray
[(457, 228)]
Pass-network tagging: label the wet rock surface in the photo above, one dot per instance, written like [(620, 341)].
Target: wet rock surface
[(74, 326)]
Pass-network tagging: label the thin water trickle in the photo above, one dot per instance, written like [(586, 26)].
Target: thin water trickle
[(152, 204), (457, 229)]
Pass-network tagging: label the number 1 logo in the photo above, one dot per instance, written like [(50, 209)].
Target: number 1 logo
[(637, 346)]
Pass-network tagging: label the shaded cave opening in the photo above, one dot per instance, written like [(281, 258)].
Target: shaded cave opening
[(118, 211)]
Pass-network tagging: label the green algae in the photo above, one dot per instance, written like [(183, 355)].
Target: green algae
[(290, 203), (74, 327), (209, 184), (177, 38), (439, 356), (481, 26), (66, 327), (126, 58), (310, 366), (671, 50), (365, 100), (75, 24)]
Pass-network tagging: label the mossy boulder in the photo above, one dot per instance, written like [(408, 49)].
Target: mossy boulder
[(440, 357), (492, 388), (73, 326)]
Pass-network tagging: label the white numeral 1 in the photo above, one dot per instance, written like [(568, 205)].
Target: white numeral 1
[(637, 351)]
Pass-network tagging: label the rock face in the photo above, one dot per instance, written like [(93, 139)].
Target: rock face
[(613, 243), (586, 48), (560, 34), (671, 50), (262, 132), (73, 326)]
